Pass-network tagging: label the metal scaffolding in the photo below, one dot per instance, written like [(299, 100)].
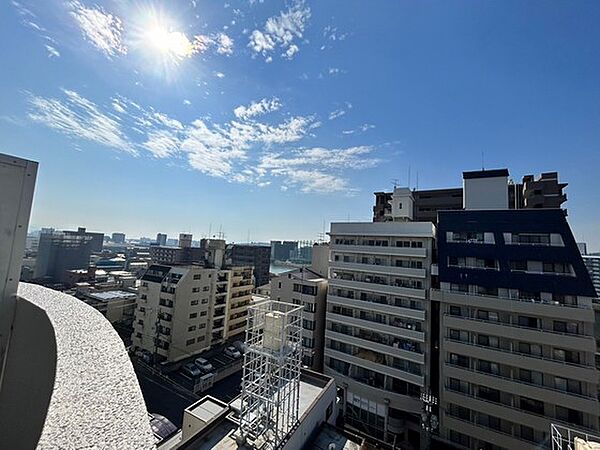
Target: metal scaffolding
[(565, 438), (271, 374)]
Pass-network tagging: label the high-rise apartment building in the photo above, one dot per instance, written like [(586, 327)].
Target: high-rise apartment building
[(118, 238), (376, 338), (183, 310), (283, 251), (306, 287), (59, 252), (592, 264), (516, 329), (161, 239), (256, 255), (96, 239)]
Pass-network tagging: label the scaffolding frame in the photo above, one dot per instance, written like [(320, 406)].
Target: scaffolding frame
[(563, 438), (271, 374)]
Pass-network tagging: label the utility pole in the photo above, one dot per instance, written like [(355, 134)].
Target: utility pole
[(429, 421)]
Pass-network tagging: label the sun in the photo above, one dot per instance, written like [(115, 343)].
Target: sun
[(170, 44)]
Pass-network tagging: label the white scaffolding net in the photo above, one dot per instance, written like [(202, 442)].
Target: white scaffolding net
[(271, 375)]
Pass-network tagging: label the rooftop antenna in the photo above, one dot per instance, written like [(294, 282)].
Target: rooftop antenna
[(395, 182), (482, 164)]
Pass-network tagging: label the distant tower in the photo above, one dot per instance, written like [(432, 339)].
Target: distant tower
[(185, 240), (271, 376), (402, 205)]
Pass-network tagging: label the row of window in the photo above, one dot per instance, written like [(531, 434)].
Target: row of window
[(194, 340), (379, 242)]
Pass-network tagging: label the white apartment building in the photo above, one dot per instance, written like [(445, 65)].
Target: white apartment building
[(183, 310), (307, 288), (376, 337)]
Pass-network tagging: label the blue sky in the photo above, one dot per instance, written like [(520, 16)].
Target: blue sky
[(269, 119)]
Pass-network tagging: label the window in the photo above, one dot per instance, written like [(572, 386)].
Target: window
[(459, 360), (192, 328), (565, 327), (531, 405), (520, 266), (201, 326), (308, 324), (138, 335), (529, 349), (200, 339), (455, 310), (490, 394), (193, 315), (194, 302), (190, 341), (205, 289), (144, 297), (489, 367), (488, 341), (142, 309), (203, 313), (196, 289), (529, 322), (197, 276), (487, 315), (204, 301)]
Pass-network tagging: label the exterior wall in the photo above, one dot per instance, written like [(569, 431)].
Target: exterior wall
[(320, 259), (516, 340), (486, 193), (304, 287), (377, 336)]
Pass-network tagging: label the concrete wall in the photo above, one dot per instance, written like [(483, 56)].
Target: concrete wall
[(486, 193)]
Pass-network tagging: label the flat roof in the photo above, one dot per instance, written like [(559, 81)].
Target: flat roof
[(112, 295), (329, 435), (206, 409), (492, 173), (221, 435)]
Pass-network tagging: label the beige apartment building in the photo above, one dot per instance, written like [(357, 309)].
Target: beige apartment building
[(376, 337), (184, 310)]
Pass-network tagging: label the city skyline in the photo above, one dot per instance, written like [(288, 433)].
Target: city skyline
[(256, 111)]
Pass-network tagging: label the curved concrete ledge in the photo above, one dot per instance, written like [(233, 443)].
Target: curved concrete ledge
[(96, 401)]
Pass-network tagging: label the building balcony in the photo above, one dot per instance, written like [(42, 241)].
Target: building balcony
[(68, 381), (540, 336), (378, 268), (504, 440), (377, 307), (555, 367), (542, 393), (376, 367), (507, 412), (375, 287), (375, 346), (369, 325), (362, 388), (580, 313), (375, 250)]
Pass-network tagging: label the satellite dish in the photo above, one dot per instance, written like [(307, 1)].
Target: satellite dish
[(331, 446)]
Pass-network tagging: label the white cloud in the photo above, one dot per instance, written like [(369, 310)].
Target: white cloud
[(102, 29), (79, 117), (52, 52), (224, 44), (364, 127), (281, 30), (337, 113), (333, 71), (291, 51), (219, 75), (242, 150), (257, 108), (162, 143), (186, 102)]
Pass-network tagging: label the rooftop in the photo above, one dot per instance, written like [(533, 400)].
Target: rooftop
[(68, 381), (112, 295)]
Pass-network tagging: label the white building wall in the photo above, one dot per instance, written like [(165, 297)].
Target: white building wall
[(485, 193)]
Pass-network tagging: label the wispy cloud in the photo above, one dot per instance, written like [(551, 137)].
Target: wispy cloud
[(337, 113), (76, 116), (281, 31), (318, 169), (241, 150), (102, 29), (361, 129), (52, 52), (257, 108)]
